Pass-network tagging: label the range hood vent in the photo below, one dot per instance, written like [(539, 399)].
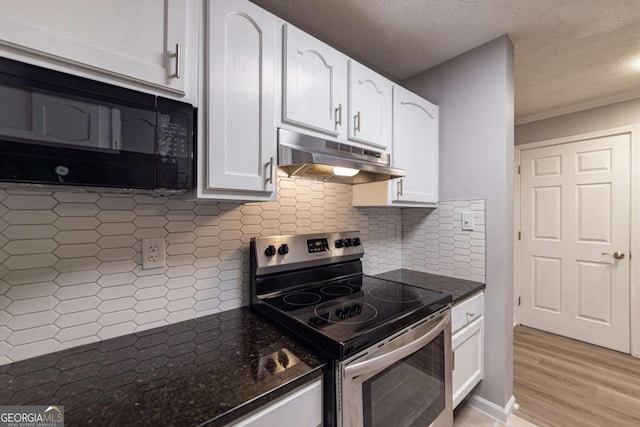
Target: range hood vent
[(304, 156)]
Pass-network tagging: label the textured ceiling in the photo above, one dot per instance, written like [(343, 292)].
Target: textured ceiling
[(569, 54)]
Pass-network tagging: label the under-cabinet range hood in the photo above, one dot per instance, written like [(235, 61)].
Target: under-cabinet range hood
[(303, 156)]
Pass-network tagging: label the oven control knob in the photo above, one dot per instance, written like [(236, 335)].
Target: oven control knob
[(339, 243), (347, 242), (283, 249), (348, 311), (341, 314), (357, 309), (270, 251), (355, 241)]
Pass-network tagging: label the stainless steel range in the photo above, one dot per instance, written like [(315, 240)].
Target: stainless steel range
[(389, 344)]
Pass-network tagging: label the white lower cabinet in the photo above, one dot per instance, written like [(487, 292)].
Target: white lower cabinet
[(300, 408), (468, 346)]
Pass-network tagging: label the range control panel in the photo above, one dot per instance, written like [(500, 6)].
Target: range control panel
[(297, 251)]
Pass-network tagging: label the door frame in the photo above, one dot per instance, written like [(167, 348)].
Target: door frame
[(634, 249)]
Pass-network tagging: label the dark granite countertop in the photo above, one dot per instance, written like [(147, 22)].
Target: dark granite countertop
[(205, 370), (458, 288)]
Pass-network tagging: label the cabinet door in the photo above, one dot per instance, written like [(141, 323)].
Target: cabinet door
[(241, 121), (369, 106), (314, 83), (139, 41), (468, 356), (415, 148)]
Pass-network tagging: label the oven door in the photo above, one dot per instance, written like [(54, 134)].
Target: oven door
[(403, 381)]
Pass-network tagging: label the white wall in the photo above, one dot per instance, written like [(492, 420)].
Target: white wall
[(475, 95), (607, 117)]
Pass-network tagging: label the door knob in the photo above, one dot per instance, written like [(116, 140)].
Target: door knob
[(616, 254)]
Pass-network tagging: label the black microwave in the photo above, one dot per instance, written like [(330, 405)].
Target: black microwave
[(60, 129)]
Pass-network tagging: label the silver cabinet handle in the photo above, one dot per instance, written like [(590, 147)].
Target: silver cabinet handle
[(400, 185), (356, 122), (338, 113), (177, 56), (453, 360), (271, 165), (616, 254)]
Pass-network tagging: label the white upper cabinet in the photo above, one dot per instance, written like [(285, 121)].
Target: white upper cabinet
[(314, 83), (142, 42), (415, 148), (369, 106), (243, 56), (325, 92)]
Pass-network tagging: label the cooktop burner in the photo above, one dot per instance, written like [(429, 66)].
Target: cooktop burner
[(343, 312), (395, 294), (336, 290), (301, 298)]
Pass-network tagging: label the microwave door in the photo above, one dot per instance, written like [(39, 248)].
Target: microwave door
[(56, 128), (83, 125), (43, 119), (66, 140)]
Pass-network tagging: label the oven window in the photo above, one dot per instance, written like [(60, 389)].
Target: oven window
[(411, 392)]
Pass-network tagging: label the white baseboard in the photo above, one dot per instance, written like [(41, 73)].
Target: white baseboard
[(491, 409)]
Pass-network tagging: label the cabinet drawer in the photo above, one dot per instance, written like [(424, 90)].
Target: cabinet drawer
[(301, 408), (466, 312)]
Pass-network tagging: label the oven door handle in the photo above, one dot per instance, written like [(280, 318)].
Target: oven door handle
[(388, 359)]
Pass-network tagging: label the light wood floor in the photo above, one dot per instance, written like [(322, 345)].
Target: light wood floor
[(559, 382)]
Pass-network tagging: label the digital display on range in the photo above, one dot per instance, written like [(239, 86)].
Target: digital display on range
[(317, 245)]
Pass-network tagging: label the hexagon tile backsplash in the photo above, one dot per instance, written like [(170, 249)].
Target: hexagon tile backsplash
[(70, 262), (433, 240)]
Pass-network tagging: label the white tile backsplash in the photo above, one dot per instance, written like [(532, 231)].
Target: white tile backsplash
[(433, 240), (70, 262)]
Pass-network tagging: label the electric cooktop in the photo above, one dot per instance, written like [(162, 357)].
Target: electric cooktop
[(344, 309), (314, 286)]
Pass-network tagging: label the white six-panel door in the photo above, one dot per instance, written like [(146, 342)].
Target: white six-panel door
[(575, 214)]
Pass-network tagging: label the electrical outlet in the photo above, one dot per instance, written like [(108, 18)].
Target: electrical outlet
[(152, 253)]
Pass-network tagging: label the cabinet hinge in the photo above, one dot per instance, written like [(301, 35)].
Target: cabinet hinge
[(518, 300), (519, 235), (518, 169)]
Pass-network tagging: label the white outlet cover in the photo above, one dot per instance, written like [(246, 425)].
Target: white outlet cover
[(152, 253), (468, 221)]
